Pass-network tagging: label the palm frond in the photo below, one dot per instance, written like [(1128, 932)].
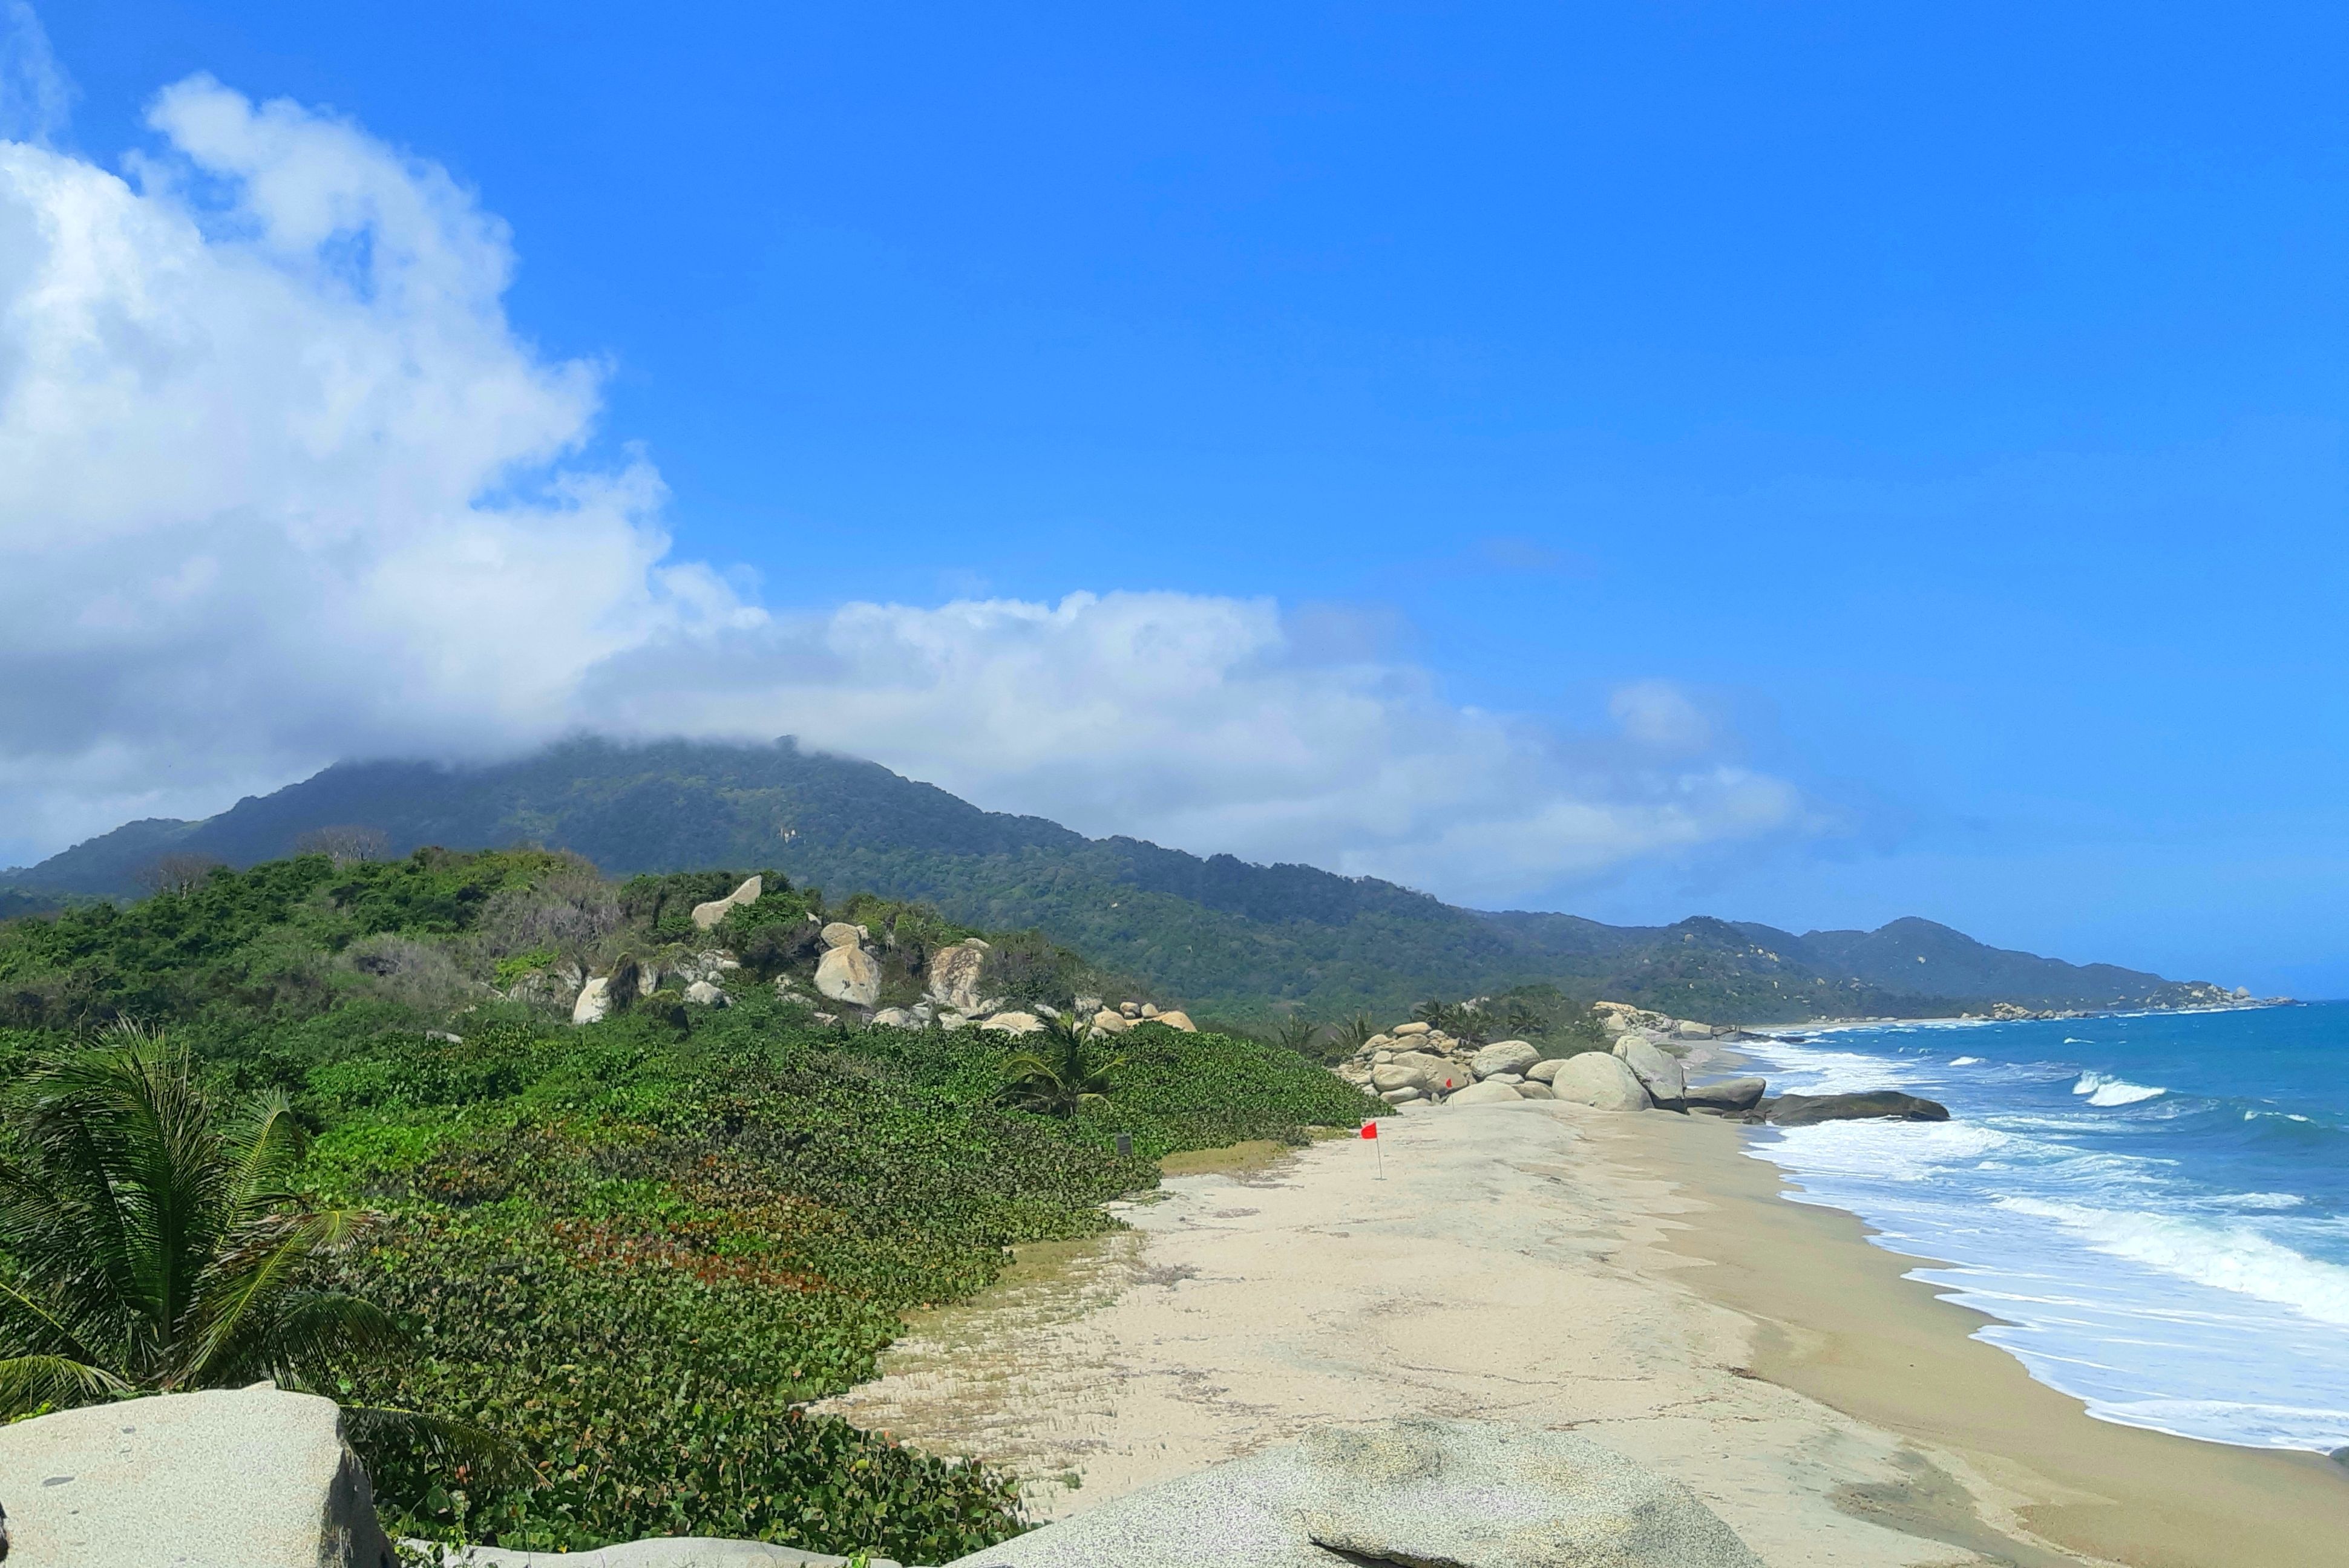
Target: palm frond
[(495, 1457), (29, 1382), (241, 1303)]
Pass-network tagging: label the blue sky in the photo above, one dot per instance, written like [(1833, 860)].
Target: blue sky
[(1944, 410)]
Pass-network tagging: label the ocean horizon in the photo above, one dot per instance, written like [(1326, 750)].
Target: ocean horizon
[(2153, 1208)]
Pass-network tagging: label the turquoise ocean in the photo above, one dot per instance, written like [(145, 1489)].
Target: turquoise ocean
[(2155, 1207)]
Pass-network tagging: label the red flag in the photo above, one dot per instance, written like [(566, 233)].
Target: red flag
[(1369, 1129)]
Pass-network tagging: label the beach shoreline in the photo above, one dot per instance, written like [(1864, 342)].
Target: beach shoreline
[(1639, 1279), (1839, 1322)]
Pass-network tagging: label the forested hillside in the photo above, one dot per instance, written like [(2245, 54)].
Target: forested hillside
[(1231, 939)]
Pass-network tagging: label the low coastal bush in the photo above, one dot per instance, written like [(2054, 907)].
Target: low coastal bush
[(638, 1249)]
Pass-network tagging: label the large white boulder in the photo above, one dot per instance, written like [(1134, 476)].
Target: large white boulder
[(706, 915), (1012, 1022), (1505, 1056), (849, 975), (1175, 1018), (840, 934), (702, 993), (1597, 1079), (250, 1476), (955, 974), (1479, 1494), (1404, 1031), (1661, 1073), (1542, 1072), (1109, 1022)]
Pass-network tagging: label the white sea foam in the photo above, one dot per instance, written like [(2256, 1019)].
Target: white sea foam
[(2225, 1257), (2111, 1091), (1967, 1062)]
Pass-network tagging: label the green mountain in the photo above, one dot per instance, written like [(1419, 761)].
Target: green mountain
[(1233, 939)]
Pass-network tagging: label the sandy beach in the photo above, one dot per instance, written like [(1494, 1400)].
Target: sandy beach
[(1634, 1278)]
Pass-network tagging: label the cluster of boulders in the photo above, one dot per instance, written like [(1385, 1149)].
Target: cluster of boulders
[(1418, 1063), (846, 982)]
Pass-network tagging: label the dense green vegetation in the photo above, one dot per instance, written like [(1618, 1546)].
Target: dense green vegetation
[(1257, 944), (636, 1249)]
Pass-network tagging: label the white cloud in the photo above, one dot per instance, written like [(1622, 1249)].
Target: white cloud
[(279, 484)]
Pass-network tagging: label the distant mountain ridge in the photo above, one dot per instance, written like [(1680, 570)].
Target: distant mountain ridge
[(1239, 940)]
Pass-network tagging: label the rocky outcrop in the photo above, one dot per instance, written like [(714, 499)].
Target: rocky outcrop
[(702, 993), (840, 934), (1465, 1494), (849, 975), (706, 915), (1106, 1022), (1598, 1079), (1175, 1018), (1727, 1095), (594, 1004), (955, 975), (252, 1477), (1883, 1104)]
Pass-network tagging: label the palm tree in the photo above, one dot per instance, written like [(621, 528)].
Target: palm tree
[(1058, 1078), (1296, 1034), (146, 1245)]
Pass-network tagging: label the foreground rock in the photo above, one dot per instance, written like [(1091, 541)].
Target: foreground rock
[(1466, 1494), (1883, 1104), (1597, 1079), (250, 1477)]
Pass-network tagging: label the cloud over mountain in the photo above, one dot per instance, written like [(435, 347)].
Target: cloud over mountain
[(279, 483)]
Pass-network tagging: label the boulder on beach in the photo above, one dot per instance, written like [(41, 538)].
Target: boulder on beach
[(1505, 1056), (254, 1477), (1661, 1074), (1728, 1094), (1493, 1093), (849, 975), (1883, 1104), (1530, 1090), (1598, 1079), (1476, 1494), (1542, 1071)]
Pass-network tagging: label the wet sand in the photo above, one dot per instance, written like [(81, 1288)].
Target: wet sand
[(1837, 1320), (1634, 1278)]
